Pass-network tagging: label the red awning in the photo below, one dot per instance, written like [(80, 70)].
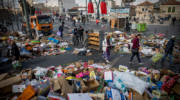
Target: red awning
[(90, 7), (103, 7)]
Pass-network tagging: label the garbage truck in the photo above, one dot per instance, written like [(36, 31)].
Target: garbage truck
[(40, 25)]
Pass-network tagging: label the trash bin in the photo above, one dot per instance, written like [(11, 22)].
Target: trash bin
[(141, 27)]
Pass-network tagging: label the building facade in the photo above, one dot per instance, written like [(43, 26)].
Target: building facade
[(170, 8), (144, 11)]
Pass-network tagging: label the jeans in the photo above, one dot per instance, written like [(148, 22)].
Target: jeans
[(170, 58), (61, 35), (135, 53), (106, 54), (75, 40)]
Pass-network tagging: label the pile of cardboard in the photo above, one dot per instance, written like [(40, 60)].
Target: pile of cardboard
[(93, 81)]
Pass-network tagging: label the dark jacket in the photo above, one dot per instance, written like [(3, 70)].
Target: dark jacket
[(135, 42), (169, 46), (15, 51), (61, 28)]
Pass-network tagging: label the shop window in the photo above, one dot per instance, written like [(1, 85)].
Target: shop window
[(169, 9), (173, 9)]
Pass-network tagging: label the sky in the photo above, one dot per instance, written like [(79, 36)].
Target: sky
[(82, 2), (52, 2)]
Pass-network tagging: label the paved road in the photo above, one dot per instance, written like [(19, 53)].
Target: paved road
[(116, 58)]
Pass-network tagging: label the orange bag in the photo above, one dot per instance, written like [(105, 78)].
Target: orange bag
[(27, 93)]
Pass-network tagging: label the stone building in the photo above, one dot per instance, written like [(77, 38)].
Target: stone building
[(170, 8), (144, 11)]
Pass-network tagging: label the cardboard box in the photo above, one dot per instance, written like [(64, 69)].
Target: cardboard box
[(90, 62), (176, 88), (2, 76), (90, 85), (78, 64), (26, 74), (10, 81), (137, 96), (88, 54), (56, 85), (97, 96), (63, 85)]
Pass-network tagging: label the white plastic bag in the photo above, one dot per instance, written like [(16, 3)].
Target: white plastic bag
[(108, 76), (131, 81)]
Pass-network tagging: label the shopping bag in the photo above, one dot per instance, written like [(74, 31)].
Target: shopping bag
[(58, 33), (108, 76)]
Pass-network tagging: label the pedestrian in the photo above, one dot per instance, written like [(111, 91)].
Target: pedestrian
[(135, 49), (63, 23), (97, 21), (79, 19), (14, 50), (168, 51), (75, 37), (106, 48), (78, 35), (173, 20), (127, 26), (61, 28), (81, 32), (74, 22), (60, 18), (85, 39)]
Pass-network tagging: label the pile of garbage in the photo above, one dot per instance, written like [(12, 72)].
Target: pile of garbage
[(50, 45), (90, 81), (122, 43), (150, 46)]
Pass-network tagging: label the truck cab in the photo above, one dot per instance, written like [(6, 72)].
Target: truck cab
[(42, 24)]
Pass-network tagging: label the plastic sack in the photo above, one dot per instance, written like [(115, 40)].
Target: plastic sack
[(157, 57), (131, 81), (118, 83), (16, 64), (25, 52), (58, 33), (115, 94), (40, 72)]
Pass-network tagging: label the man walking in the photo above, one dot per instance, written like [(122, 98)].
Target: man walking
[(168, 51), (135, 49), (74, 22), (81, 33), (173, 20), (75, 37), (61, 30)]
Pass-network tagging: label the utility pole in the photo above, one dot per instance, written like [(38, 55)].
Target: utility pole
[(97, 7), (60, 3), (86, 8), (26, 15)]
